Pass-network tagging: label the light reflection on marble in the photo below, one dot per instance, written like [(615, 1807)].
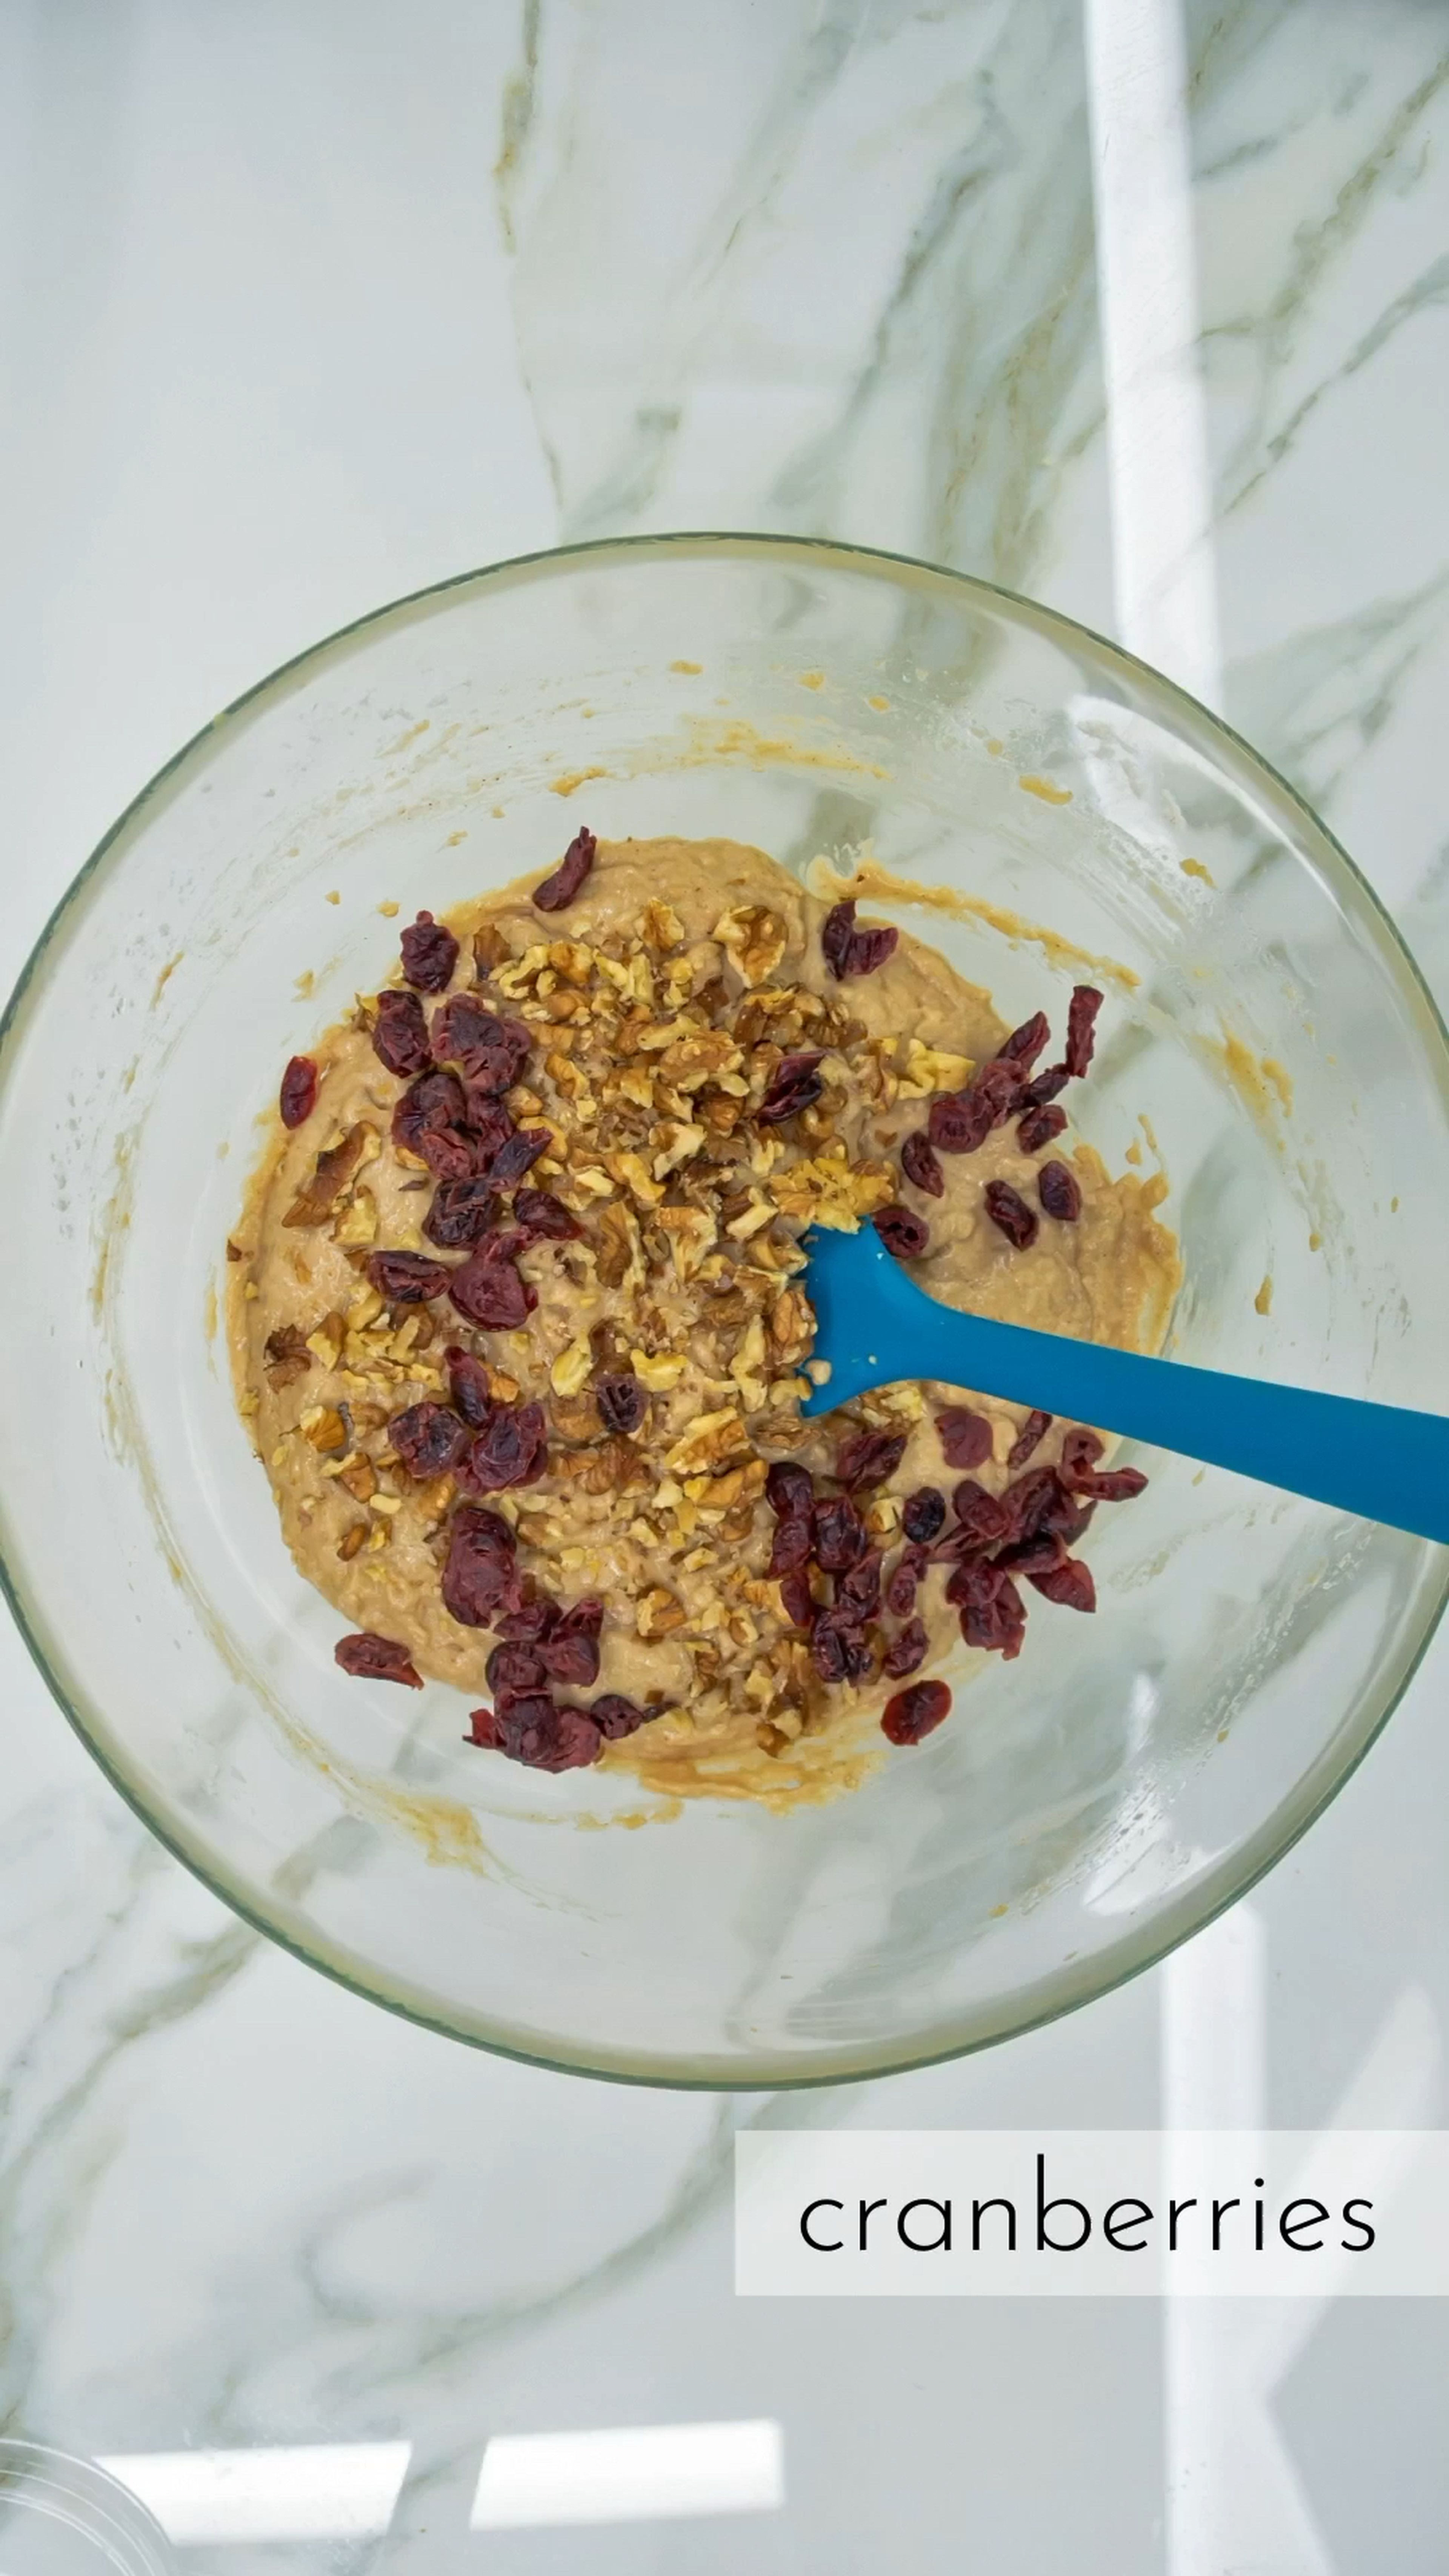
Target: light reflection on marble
[(308, 307)]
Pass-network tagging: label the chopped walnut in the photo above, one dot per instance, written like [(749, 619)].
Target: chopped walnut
[(335, 1168), (286, 1357), (658, 1615), (754, 939)]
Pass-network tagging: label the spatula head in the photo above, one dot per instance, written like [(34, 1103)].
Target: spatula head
[(865, 1309)]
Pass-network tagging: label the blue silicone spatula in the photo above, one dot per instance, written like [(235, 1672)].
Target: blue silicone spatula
[(876, 1327)]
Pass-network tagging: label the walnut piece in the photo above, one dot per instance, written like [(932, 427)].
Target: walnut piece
[(317, 1197)]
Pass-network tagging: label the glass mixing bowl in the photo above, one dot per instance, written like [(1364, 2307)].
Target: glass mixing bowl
[(1087, 1806)]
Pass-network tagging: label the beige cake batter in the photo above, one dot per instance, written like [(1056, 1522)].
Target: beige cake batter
[(660, 1002)]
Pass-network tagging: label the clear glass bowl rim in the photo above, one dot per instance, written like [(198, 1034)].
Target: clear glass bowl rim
[(880, 563)]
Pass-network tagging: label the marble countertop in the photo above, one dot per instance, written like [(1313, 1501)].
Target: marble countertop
[(307, 305)]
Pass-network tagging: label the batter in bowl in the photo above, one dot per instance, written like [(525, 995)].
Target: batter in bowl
[(517, 1325)]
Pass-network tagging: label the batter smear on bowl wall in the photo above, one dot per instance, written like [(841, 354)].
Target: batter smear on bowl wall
[(517, 1326)]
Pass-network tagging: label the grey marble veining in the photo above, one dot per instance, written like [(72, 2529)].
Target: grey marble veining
[(305, 306)]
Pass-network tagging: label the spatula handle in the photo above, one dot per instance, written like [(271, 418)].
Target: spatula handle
[(1381, 1461)]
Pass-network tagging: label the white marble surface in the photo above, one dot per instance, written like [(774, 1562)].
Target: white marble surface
[(307, 304)]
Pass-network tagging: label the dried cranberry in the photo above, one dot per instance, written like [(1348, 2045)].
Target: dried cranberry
[(622, 1402), (298, 1096), (796, 1598), (999, 1624), (1069, 1584), (901, 1590), (795, 1086), (1082, 1011), (480, 1577), (916, 1712), (546, 1217), (1045, 1086), (407, 1278), (461, 1213), (614, 1716), (982, 1519), (517, 1155), (789, 1490), (430, 1121), (1009, 1212), (1111, 1484), (1031, 1555), (849, 951), (482, 1729), (489, 1126), (922, 1165), (1058, 1192), (907, 1652), (957, 1122), (429, 954), (1030, 1501), (1038, 1128), (998, 1087), (1025, 1044), (869, 1458), (838, 1534), (489, 1291), (859, 1590), (974, 1583), (836, 933), (400, 1034), (371, 1658), (1065, 1520), (536, 1616), (515, 1671), (559, 890), (1033, 1431), (791, 1544), (547, 1737), (468, 1385), (904, 1235), (570, 1651), (428, 1438), (924, 1512), (965, 1436), (511, 1449), (490, 1052), (1080, 1449), (839, 1647), (871, 947)]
